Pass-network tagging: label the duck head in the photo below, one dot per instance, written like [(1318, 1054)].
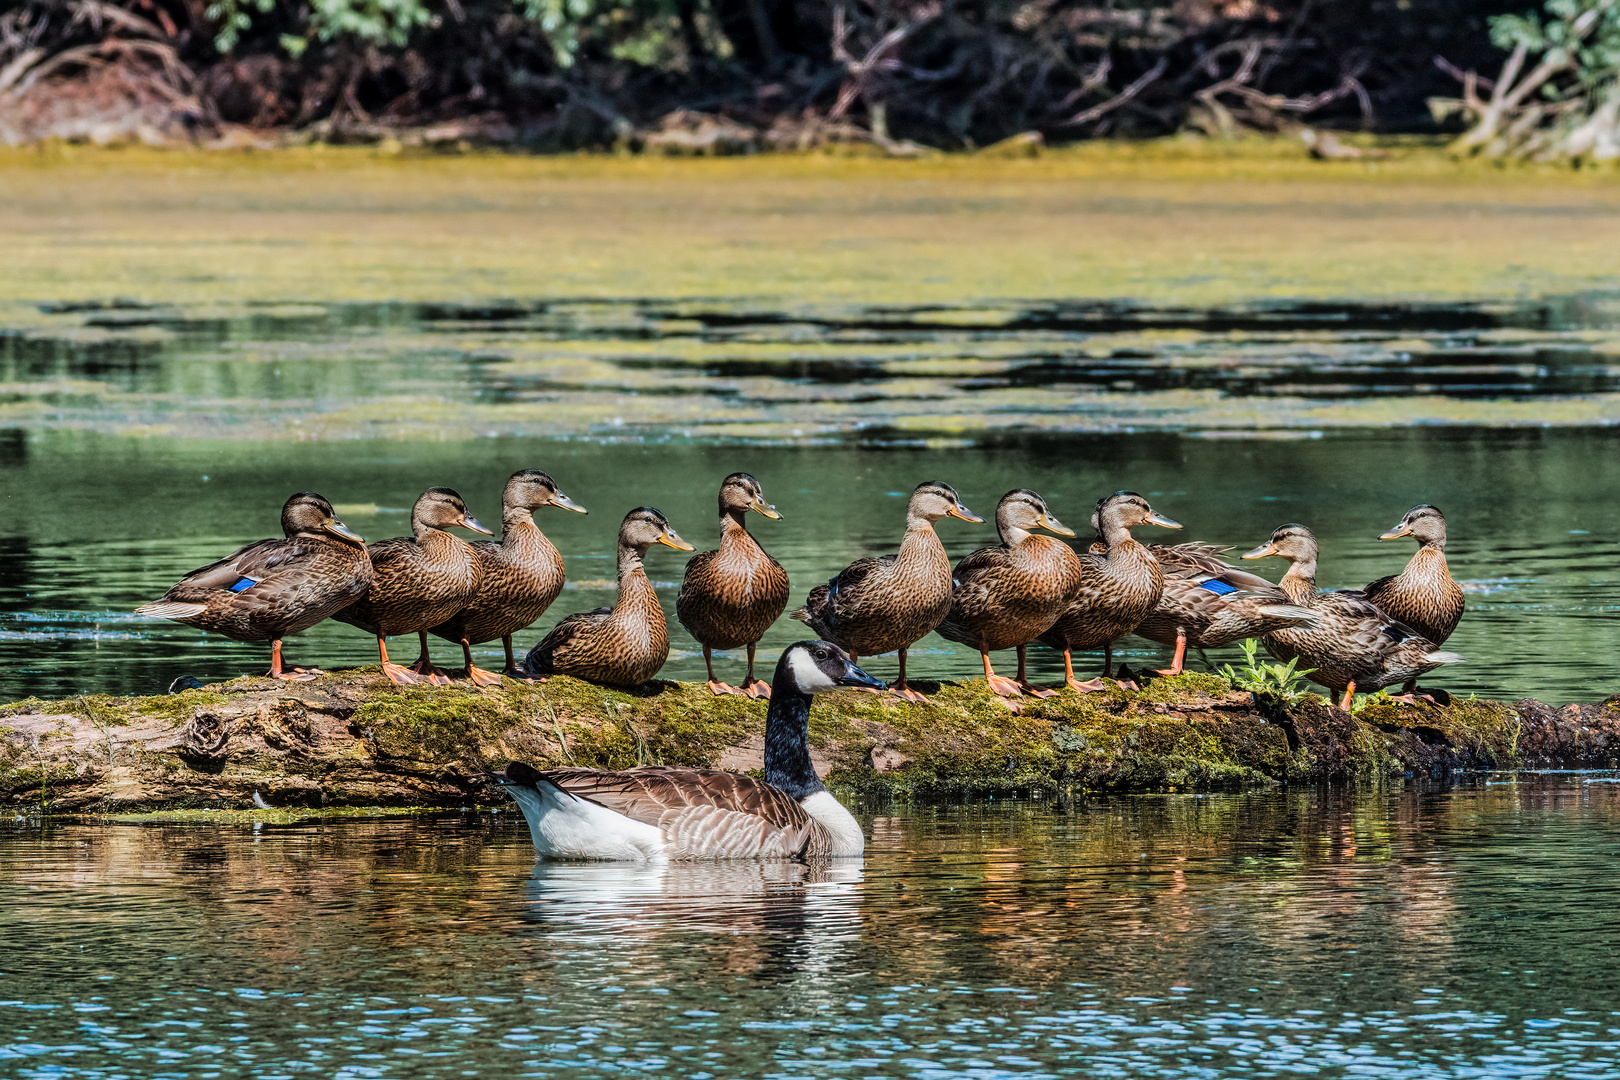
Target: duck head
[(442, 508), (643, 527), (530, 489), (310, 514), (1424, 523), (1293, 542), (935, 499), (1117, 514), (740, 493), (1020, 512)]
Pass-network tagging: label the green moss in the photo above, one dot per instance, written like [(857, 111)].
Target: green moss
[(1188, 688)]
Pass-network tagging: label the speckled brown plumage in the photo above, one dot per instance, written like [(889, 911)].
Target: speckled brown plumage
[(419, 580), (1006, 596), (1423, 596), (1353, 645), (272, 589), (730, 596), (623, 645), (518, 578), (880, 605), (1207, 603)]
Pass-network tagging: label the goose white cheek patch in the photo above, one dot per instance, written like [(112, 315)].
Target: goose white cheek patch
[(807, 675)]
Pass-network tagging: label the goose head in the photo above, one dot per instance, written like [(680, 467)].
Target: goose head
[(740, 493), (815, 667), (1424, 523), (310, 514), (1020, 512), (442, 508), (935, 499), (530, 489)]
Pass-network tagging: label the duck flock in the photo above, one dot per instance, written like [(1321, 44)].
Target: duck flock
[(1028, 588)]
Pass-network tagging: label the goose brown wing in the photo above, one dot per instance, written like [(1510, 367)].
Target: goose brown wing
[(701, 812)]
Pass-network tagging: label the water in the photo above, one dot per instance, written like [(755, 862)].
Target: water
[(142, 441), (1461, 931)]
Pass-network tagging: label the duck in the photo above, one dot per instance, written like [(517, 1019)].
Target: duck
[(1423, 596), (1118, 587), (654, 814), (1207, 603), (273, 588), (518, 578), (730, 596), (420, 581), (1006, 596), (1355, 644), (623, 645), (879, 605)]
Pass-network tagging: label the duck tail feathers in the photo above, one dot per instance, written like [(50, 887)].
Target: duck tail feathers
[(171, 609), (1441, 657), (1289, 611), (800, 613)]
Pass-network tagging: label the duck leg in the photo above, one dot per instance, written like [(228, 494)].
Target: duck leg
[(424, 665), (291, 674), (478, 675), (1181, 654), (716, 687), (399, 676), (755, 688), (1001, 687), (513, 669), (1074, 683), (1349, 696), (1023, 679), (901, 690)]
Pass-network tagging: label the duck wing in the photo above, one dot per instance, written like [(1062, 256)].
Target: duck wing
[(541, 658), (702, 813), (827, 605)]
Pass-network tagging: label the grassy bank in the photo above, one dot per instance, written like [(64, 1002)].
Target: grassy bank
[(351, 739)]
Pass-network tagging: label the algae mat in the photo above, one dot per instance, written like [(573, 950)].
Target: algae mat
[(1173, 224)]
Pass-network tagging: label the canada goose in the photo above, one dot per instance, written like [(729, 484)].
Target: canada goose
[(660, 813)]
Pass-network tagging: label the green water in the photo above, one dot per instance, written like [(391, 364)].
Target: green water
[(1453, 932), (138, 443)]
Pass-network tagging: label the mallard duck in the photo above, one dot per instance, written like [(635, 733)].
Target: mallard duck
[(274, 588), (1007, 596), (421, 580), (879, 605), (1117, 589), (518, 578), (1423, 596), (731, 596), (662, 813), (623, 645), (1354, 644), (1207, 603)]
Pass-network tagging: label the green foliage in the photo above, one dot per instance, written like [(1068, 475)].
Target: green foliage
[(233, 18), (1280, 682), (1591, 50), (1362, 702)]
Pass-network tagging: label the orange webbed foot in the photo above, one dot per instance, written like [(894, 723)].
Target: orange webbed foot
[(1002, 686), (1036, 691), (519, 674), (759, 688), (1086, 687), (720, 689), (480, 677), (292, 675), (400, 675)]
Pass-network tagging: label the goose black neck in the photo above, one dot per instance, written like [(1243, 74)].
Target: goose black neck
[(787, 742)]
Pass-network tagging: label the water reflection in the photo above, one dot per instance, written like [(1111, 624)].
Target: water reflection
[(1447, 932)]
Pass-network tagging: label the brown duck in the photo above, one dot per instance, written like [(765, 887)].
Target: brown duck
[(518, 578), (731, 596), (879, 605), (1354, 645), (1117, 589), (626, 644), (1207, 603), (274, 588), (1423, 596), (1007, 596), (420, 581)]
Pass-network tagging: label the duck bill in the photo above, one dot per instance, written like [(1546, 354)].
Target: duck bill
[(342, 531), (1156, 518), (1403, 529), (763, 507), (669, 539), (1052, 524), (1267, 548), (560, 500), (960, 511), (469, 522), (854, 676)]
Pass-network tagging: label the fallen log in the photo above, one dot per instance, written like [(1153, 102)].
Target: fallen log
[(352, 739)]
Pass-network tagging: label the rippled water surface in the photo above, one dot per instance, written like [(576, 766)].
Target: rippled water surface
[(1429, 932)]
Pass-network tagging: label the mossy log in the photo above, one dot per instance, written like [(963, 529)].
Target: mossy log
[(352, 739)]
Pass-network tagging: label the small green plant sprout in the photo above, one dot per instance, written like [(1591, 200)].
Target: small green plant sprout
[(1362, 701), (1278, 682)]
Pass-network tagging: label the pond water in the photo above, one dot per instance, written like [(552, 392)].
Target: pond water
[(138, 442), (1427, 932)]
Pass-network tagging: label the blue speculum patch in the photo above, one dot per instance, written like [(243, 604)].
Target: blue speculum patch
[(245, 583), (1219, 588)]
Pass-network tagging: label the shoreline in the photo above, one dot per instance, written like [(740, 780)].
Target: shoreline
[(351, 741)]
